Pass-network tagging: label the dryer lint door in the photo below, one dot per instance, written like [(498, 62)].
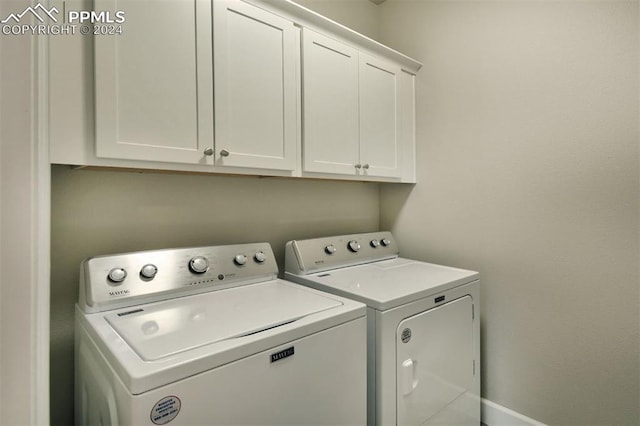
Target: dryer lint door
[(435, 365)]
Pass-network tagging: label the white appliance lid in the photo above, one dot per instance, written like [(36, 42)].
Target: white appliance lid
[(389, 283), (166, 328)]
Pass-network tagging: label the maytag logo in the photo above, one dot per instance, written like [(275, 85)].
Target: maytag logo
[(282, 354), (118, 292)]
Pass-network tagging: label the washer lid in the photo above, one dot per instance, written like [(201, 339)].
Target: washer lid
[(389, 283), (166, 328)]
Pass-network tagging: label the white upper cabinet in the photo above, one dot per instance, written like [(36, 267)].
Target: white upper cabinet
[(379, 114), (351, 110), (262, 87), (330, 110), (153, 83), (255, 87)]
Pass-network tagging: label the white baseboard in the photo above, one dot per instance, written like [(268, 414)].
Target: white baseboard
[(496, 415)]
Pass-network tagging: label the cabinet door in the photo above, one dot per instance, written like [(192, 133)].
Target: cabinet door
[(255, 87), (436, 366), (153, 83), (379, 115), (407, 125), (330, 93)]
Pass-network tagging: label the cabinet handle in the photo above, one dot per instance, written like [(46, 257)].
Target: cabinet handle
[(358, 166), (208, 151), (224, 153), (366, 166)]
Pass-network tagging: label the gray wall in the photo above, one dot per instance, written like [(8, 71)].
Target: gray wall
[(528, 172), (21, 259), (359, 15)]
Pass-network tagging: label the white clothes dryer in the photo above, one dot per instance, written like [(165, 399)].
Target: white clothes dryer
[(209, 335), (423, 325)]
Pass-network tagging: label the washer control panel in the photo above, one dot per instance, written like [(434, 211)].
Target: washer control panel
[(115, 281), (315, 255)]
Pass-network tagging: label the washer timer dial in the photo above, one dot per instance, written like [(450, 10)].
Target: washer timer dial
[(148, 271), (330, 249), (199, 265), (260, 257), (354, 246), (117, 275)]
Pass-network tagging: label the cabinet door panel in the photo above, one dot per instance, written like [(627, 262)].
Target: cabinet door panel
[(330, 92), (406, 126), (379, 113), (151, 82), (255, 87)]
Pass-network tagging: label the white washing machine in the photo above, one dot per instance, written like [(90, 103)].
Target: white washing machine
[(423, 325), (210, 336)]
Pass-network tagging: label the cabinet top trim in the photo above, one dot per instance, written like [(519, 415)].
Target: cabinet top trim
[(306, 17)]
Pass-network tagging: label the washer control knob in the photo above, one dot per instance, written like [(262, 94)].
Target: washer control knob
[(386, 242), (330, 249), (149, 271), (117, 275), (354, 246), (374, 243), (240, 259), (260, 257), (199, 265)]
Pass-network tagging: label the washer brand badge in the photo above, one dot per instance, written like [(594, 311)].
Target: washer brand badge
[(406, 335), (286, 353), (119, 292), (165, 410), (40, 20)]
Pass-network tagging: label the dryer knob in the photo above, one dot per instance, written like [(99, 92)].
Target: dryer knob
[(260, 257), (354, 246), (330, 249), (117, 275), (199, 265), (386, 242), (374, 243), (240, 259)]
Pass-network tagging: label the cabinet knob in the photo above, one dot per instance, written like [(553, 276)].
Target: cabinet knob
[(224, 153), (358, 166), (366, 166), (208, 151)]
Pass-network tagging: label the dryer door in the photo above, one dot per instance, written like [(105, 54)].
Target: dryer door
[(435, 365)]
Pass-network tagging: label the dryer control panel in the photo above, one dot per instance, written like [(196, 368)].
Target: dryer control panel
[(304, 257), (128, 279)]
